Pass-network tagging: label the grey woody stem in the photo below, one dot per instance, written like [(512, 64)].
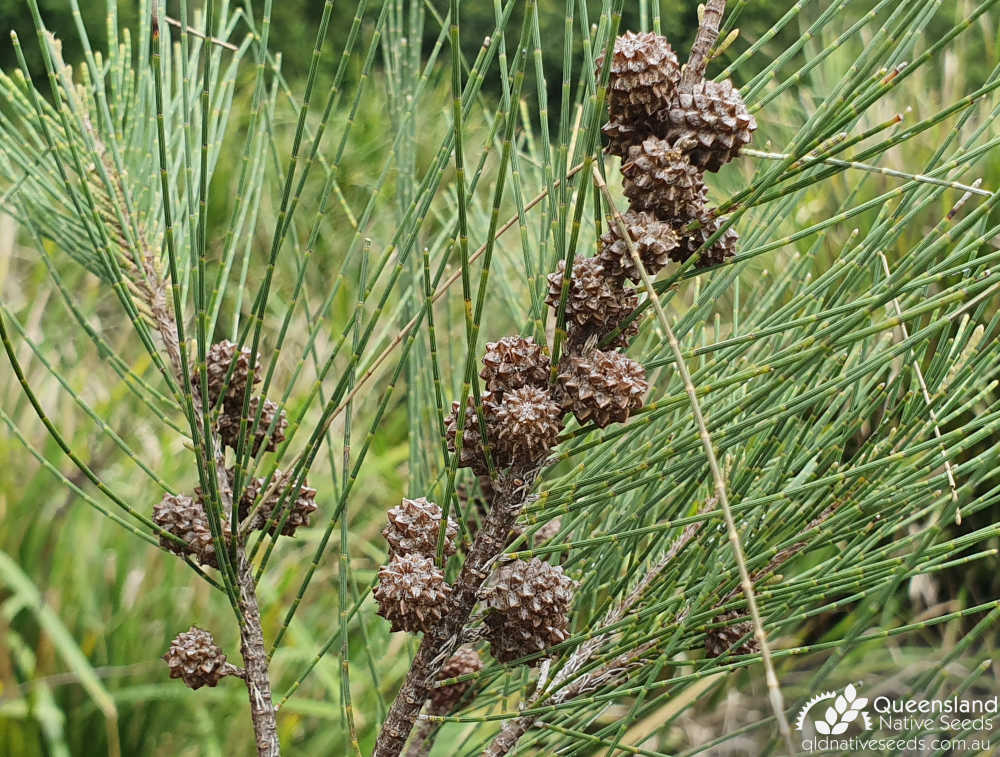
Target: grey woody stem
[(257, 677), (440, 642), (704, 41)]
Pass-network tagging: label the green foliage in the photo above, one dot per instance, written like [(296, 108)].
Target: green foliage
[(808, 352)]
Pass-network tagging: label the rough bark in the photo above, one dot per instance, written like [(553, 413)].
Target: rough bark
[(438, 645), (258, 680), (704, 41)]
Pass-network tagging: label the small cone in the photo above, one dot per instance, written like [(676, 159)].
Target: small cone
[(411, 593), (218, 359), (444, 698), (513, 362), (642, 81), (281, 506), (185, 518), (413, 528), (473, 455), (195, 658), (653, 241), (738, 626), (229, 424), (660, 179), (527, 605), (597, 304), (724, 248), (710, 121), (527, 427), (602, 387)]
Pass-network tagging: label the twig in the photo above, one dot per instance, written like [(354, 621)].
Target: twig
[(774, 690), (194, 32), (704, 41), (972, 189)]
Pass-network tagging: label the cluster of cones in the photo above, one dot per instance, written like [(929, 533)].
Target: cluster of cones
[(668, 131), (527, 602), (277, 509)]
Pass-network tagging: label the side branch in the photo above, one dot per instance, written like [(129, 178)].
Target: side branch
[(704, 41)]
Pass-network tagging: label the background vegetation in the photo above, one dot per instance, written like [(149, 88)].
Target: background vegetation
[(891, 591)]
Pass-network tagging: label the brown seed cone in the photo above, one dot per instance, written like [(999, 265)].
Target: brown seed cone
[(463, 662), (195, 658), (411, 593), (527, 605), (298, 509), (710, 121), (528, 423), (642, 81), (217, 361), (660, 179), (185, 518), (513, 362), (601, 387), (718, 641), (653, 240), (473, 455), (229, 423), (623, 135), (413, 529), (721, 250), (597, 304)]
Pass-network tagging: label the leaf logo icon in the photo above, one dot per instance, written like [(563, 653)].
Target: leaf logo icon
[(842, 710)]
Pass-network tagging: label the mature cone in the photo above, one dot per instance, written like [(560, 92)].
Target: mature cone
[(710, 121), (690, 241), (185, 518), (660, 179), (623, 135), (411, 593), (596, 306), (473, 455), (718, 641), (513, 362), (413, 529), (527, 605), (653, 241), (643, 78), (528, 424), (195, 658), (229, 424), (217, 361), (295, 511), (463, 662), (602, 387)]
